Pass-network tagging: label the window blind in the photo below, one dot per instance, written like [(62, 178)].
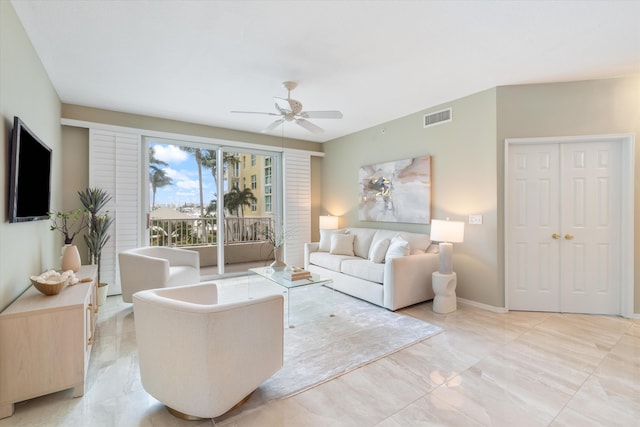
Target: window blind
[(115, 165), (297, 205)]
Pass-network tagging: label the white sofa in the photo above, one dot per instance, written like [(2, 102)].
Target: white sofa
[(388, 268), (151, 267)]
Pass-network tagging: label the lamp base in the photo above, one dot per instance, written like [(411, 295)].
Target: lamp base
[(444, 288), (445, 260)]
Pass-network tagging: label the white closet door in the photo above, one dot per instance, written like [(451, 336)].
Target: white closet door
[(564, 227), (114, 165), (297, 205), (590, 224), (533, 249)]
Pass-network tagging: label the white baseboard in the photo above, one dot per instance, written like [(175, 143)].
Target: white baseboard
[(482, 306), (495, 309)]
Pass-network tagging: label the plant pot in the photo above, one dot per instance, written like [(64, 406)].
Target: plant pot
[(103, 289), (70, 258)]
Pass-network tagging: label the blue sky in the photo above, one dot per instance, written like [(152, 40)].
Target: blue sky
[(184, 172)]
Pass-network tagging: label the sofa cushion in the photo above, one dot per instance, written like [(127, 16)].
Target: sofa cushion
[(378, 251), (328, 261), (418, 243), (397, 248), (342, 244), (381, 235), (325, 239), (363, 269), (363, 239)]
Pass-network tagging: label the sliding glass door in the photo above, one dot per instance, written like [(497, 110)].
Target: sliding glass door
[(232, 232)]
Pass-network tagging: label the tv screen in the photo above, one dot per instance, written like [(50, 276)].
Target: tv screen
[(29, 175)]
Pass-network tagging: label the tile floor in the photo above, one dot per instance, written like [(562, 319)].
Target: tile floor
[(514, 369)]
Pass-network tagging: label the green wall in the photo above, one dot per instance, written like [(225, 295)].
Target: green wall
[(464, 181), (468, 163), (25, 91)]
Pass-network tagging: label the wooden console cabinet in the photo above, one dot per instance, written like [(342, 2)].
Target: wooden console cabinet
[(45, 342)]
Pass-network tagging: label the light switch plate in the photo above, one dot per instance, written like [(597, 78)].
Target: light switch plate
[(475, 219)]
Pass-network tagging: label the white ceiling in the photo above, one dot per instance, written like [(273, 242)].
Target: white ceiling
[(374, 60)]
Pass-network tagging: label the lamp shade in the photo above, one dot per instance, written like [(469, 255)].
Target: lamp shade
[(328, 222), (447, 231)]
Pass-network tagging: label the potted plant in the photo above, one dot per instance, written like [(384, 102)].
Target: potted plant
[(277, 238), (69, 224), (94, 199)]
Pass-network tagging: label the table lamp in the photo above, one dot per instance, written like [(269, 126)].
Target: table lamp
[(446, 232), (328, 222)]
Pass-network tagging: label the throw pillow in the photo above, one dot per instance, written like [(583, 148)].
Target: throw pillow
[(418, 243), (342, 244), (378, 251), (325, 239), (397, 248)]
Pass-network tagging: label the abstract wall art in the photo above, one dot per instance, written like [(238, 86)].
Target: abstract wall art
[(398, 191)]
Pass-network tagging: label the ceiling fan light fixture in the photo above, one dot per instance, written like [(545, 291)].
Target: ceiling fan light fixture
[(291, 110)]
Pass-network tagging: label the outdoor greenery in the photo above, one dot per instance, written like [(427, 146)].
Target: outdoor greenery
[(235, 200), (207, 159), (203, 228), (157, 175)]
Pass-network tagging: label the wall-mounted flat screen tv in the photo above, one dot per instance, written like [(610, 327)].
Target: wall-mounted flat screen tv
[(29, 175)]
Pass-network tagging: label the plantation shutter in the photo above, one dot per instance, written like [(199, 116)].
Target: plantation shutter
[(297, 205), (115, 165)]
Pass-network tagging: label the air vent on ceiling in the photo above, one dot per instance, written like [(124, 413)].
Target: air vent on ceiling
[(437, 118)]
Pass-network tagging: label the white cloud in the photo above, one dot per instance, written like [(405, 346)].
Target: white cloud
[(188, 184), (182, 179), (170, 153)]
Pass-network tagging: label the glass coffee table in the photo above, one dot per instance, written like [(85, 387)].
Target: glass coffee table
[(276, 275)]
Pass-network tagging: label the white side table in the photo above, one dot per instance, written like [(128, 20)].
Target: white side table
[(444, 288)]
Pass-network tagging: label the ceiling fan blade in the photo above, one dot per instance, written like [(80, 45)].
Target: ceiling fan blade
[(280, 110), (309, 126), (256, 112), (321, 114), (273, 125)]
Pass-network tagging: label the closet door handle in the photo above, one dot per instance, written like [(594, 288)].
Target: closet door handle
[(555, 236), (568, 236)]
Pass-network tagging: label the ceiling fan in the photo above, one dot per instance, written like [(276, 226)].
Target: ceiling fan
[(290, 110)]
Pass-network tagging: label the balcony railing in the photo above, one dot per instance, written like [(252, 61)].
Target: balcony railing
[(204, 231)]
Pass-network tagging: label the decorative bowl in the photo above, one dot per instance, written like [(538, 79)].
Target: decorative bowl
[(49, 287)]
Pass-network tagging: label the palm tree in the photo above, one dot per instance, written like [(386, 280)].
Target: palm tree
[(212, 208), (231, 202), (158, 178), (157, 175), (155, 162), (235, 200), (197, 152), (246, 198), (210, 161)]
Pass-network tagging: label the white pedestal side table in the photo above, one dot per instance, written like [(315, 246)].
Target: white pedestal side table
[(444, 288)]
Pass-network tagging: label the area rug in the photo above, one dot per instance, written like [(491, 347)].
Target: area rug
[(320, 348)]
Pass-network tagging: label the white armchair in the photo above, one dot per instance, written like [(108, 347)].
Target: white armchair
[(153, 267), (201, 358)]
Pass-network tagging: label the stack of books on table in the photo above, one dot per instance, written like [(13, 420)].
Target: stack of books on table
[(296, 273)]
